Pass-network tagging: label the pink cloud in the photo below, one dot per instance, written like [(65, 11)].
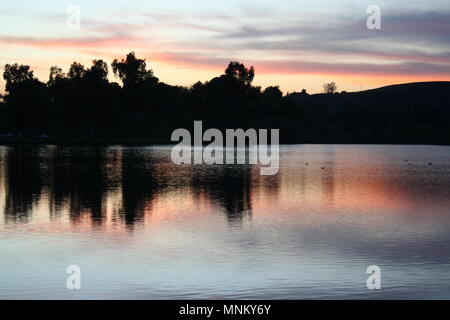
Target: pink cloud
[(303, 67), (111, 41)]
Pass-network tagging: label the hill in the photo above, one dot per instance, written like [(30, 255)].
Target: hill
[(433, 95)]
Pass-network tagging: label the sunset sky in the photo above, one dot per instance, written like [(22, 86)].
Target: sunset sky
[(292, 43)]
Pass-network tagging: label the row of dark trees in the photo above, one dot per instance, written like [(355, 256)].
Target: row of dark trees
[(83, 102), (84, 105)]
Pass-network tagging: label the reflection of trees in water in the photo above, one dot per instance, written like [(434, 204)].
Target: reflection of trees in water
[(24, 182), (85, 178), (229, 187), (139, 185), (79, 183), (85, 181)]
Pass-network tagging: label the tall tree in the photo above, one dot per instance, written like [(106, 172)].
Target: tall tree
[(240, 72), (76, 71), (131, 70), (98, 72), (139, 84), (27, 99), (56, 74), (99, 99), (15, 74)]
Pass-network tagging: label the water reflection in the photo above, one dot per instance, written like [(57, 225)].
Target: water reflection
[(120, 184), (114, 184), (167, 231), (23, 182)]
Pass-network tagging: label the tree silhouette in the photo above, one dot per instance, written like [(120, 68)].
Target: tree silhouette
[(273, 91), (131, 70), (330, 88), (67, 96), (16, 74), (139, 84), (98, 72), (99, 104), (27, 99), (240, 72), (56, 74), (83, 105), (76, 71)]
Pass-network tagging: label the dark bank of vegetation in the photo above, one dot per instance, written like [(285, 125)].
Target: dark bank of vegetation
[(84, 106)]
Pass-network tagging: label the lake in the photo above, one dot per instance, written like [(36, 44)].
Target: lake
[(140, 227)]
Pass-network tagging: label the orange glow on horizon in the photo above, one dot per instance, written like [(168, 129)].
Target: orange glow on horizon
[(186, 69)]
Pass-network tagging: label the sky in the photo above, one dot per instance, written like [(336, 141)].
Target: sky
[(295, 44)]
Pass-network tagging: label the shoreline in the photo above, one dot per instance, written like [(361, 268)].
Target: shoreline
[(156, 142)]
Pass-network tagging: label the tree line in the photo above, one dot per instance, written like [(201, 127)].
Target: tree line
[(84, 105)]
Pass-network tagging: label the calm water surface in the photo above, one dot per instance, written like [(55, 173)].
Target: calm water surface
[(142, 228)]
